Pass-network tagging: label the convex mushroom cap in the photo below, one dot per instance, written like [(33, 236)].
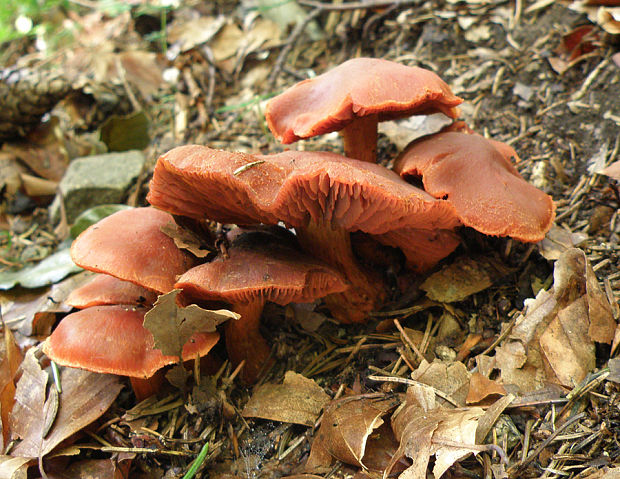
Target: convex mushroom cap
[(104, 289), (112, 340), (260, 266), (130, 245), (353, 97), (324, 196), (486, 191)]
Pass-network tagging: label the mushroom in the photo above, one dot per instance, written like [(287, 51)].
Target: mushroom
[(112, 340), (352, 98), (324, 196), (260, 266), (130, 245), (486, 191), (104, 289)]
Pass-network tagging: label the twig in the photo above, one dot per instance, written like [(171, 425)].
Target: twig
[(356, 5), (408, 341), (290, 41), (412, 382)]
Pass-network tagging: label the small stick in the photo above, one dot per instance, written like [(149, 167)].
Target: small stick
[(408, 341)]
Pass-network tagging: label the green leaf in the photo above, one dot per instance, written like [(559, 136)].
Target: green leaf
[(48, 271), (126, 133), (92, 215)]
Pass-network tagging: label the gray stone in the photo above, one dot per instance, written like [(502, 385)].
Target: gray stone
[(96, 180)]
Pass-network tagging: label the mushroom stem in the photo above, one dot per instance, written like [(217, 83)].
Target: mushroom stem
[(333, 246), (147, 387), (244, 341), (360, 138)]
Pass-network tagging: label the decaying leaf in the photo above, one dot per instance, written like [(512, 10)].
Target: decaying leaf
[(172, 326), (85, 397), (48, 271), (451, 378), (10, 359), (481, 387), (558, 240), (464, 277), (553, 341), (425, 429), (14, 467), (297, 400), (185, 239), (29, 312), (347, 430)]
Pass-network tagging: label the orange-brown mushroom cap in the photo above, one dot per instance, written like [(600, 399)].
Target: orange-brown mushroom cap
[(295, 187), (486, 191), (130, 245), (112, 340), (104, 289), (356, 88)]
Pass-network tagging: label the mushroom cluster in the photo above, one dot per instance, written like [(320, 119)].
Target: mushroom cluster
[(466, 180)]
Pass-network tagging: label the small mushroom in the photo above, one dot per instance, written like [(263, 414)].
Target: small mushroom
[(104, 289), (324, 196), (486, 191), (112, 340), (352, 98), (260, 266), (130, 245)]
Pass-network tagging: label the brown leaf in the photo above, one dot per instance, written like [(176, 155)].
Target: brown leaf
[(347, 425), (93, 469), (27, 312), (185, 239), (10, 359), (449, 378), (424, 429), (85, 397), (464, 277), (297, 400), (553, 341), (14, 467), (172, 326), (481, 387)]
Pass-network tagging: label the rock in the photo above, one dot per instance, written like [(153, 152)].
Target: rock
[(96, 180)]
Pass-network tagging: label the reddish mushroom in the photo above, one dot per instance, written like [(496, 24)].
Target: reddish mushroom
[(324, 196), (112, 340), (484, 188), (352, 98), (104, 289), (261, 266), (130, 245)]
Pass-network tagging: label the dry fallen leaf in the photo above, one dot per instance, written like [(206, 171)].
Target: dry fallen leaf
[(10, 359), (85, 397), (553, 341), (297, 400), (481, 387), (14, 467), (346, 431), (451, 378), (172, 326), (425, 429), (558, 240), (613, 171), (464, 277), (185, 239)]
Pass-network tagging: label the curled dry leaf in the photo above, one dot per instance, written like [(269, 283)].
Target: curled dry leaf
[(85, 397), (425, 429), (172, 325), (481, 387), (297, 400), (553, 341), (347, 430), (185, 239)]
